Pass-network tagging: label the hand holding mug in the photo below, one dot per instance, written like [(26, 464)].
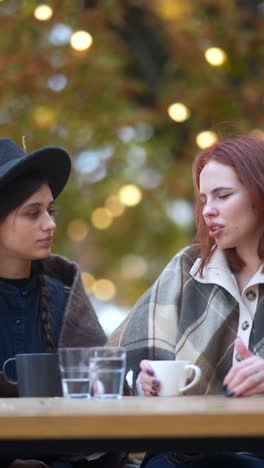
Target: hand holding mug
[(168, 377), (147, 379)]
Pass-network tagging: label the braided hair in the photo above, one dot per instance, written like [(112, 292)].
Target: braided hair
[(12, 196), (45, 318)]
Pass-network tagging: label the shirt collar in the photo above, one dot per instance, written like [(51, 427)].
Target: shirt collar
[(217, 271)]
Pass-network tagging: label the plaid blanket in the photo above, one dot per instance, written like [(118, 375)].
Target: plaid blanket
[(181, 318)]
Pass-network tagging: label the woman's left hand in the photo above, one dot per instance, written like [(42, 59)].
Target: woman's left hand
[(247, 378)]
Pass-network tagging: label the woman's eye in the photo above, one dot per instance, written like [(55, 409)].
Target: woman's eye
[(224, 196), (53, 212), (33, 214)]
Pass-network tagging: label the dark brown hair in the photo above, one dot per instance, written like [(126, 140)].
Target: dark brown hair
[(12, 196), (245, 155)]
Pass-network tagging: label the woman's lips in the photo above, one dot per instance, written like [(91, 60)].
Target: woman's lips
[(215, 230), (47, 241)]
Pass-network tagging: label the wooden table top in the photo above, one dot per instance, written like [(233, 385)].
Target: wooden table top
[(131, 417)]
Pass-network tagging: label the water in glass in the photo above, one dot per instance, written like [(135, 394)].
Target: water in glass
[(76, 382), (107, 376)]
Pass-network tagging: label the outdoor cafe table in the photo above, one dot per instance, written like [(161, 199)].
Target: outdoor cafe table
[(186, 423)]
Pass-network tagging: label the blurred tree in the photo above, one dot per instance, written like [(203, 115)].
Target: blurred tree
[(108, 105)]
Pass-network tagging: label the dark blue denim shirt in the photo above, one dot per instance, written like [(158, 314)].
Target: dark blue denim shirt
[(19, 312)]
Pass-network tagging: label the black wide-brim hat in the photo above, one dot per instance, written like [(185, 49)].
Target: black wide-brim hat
[(52, 162)]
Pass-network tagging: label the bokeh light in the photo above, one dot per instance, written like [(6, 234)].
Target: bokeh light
[(101, 218), (77, 230), (81, 40), (257, 133), (133, 266), (104, 289), (43, 12), (130, 195), (215, 56), (57, 82), (60, 34), (44, 116), (178, 112), (180, 212), (206, 138), (114, 205), (88, 281)]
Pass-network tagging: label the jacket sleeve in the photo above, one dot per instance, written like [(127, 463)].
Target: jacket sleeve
[(150, 329)]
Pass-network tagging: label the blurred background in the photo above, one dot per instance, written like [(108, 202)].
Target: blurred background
[(133, 89)]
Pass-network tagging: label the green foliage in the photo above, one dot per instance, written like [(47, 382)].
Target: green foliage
[(145, 55)]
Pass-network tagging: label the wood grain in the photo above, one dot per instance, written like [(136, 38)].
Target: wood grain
[(131, 417)]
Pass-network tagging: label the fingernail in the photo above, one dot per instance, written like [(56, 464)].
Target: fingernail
[(229, 393), (150, 372), (224, 387), (155, 384)]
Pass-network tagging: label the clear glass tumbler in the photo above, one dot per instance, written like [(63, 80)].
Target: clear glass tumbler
[(107, 371), (75, 372)]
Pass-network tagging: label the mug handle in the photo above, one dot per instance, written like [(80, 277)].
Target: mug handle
[(7, 377), (196, 378)]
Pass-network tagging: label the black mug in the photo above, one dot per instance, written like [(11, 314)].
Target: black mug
[(38, 375)]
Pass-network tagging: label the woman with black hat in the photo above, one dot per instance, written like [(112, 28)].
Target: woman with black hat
[(43, 304)]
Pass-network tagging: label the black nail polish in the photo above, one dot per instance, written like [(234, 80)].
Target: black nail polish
[(224, 387), (155, 384), (150, 372), (229, 393)]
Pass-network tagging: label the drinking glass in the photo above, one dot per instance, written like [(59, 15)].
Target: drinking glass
[(75, 372), (107, 367)]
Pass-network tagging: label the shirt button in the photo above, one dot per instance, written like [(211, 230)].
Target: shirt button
[(251, 295), (25, 292), (245, 325), (18, 322), (237, 357)]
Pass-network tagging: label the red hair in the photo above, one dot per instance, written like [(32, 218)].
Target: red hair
[(245, 155)]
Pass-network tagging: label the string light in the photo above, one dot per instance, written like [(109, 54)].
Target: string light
[(205, 139), (130, 195), (43, 12), (178, 112), (215, 56), (81, 40)]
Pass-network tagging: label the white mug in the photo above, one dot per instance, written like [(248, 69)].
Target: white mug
[(173, 376)]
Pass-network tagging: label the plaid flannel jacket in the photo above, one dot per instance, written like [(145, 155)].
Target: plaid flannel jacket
[(179, 317)]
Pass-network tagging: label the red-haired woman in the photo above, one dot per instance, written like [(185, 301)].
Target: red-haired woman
[(211, 292)]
